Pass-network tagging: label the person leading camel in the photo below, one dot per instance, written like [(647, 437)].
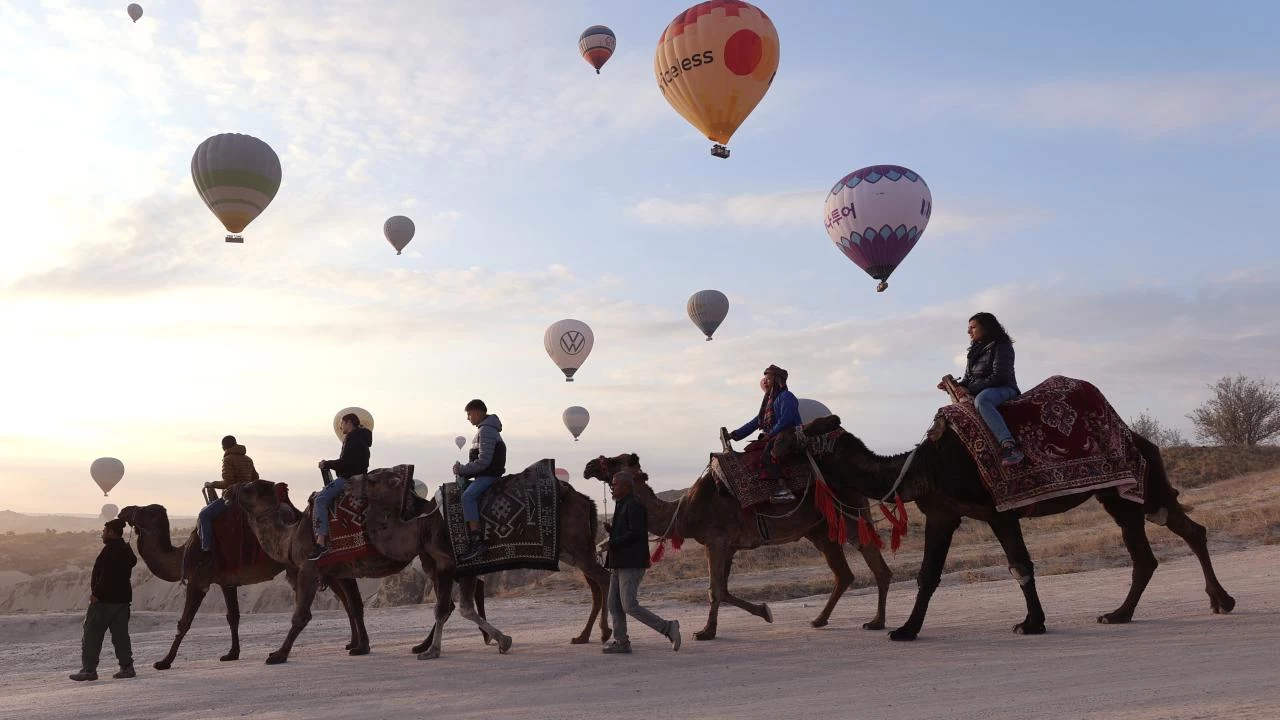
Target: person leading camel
[(779, 411), (627, 560), (353, 460), (989, 380), (237, 467), (487, 463), (109, 596)]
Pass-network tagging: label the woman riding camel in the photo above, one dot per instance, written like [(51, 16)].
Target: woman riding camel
[(989, 380), (778, 411)]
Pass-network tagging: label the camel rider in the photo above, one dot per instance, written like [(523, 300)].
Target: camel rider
[(779, 411), (989, 380), (237, 467), (353, 460), (488, 462)]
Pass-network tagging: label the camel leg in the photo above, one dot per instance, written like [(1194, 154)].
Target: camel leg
[(597, 579), (721, 563), (340, 592), (1009, 532), (1195, 536), (1129, 517), (444, 608), (195, 596), (833, 553), (938, 530), (883, 575), (304, 595), (355, 611), (467, 607), (232, 599), (480, 608)]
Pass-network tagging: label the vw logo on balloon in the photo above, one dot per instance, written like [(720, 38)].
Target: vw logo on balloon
[(572, 342)]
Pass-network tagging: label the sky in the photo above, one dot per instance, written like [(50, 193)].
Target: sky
[(1101, 174)]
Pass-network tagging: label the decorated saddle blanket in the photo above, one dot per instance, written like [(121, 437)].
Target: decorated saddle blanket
[(742, 474), (348, 539), (234, 544), (1074, 442), (519, 519)]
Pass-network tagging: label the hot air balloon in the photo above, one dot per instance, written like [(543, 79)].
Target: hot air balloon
[(811, 410), (596, 45), (106, 472), (399, 231), (876, 215), (562, 475), (707, 309), (366, 420), (568, 342), (108, 511), (576, 419), (420, 489), (236, 176), (135, 11), (714, 63), (459, 441)]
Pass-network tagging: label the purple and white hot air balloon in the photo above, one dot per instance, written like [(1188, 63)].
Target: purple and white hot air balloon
[(876, 215)]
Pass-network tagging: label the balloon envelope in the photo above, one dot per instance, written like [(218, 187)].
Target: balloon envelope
[(562, 474), (366, 420), (597, 44), (399, 231), (876, 215), (106, 472), (237, 176), (108, 512), (420, 489), (459, 441), (576, 419), (707, 309), (135, 11), (568, 342), (715, 62), (811, 410)]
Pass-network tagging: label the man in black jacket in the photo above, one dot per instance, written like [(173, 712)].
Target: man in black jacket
[(628, 559), (353, 460), (109, 596)]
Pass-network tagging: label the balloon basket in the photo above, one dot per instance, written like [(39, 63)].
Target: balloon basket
[(235, 239), (708, 339), (719, 151), (882, 286)]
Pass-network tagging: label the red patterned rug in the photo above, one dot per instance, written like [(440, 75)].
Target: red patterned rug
[(234, 544), (1073, 439), (348, 540), (743, 475)]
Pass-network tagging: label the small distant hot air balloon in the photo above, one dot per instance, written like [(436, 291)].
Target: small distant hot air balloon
[(597, 44), (811, 410), (366, 420), (568, 342), (237, 176), (108, 512), (714, 63), (459, 441), (135, 11), (876, 215), (106, 472), (399, 231), (420, 489), (576, 419), (707, 309), (562, 475)]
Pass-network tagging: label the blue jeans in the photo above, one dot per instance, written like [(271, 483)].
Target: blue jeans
[(471, 497), (205, 521), (320, 517), (987, 401)]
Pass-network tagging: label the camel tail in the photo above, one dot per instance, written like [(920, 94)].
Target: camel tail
[(1160, 492)]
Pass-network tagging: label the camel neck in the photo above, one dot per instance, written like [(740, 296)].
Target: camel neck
[(161, 557), (660, 511), (877, 474)]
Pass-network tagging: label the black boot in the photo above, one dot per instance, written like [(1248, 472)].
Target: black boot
[(475, 546)]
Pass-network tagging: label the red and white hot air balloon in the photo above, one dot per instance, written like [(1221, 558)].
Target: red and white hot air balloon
[(597, 44)]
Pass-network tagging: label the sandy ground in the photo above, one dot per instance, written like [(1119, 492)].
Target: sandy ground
[(1175, 662)]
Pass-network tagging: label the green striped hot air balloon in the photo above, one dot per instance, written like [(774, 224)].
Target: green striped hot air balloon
[(237, 176)]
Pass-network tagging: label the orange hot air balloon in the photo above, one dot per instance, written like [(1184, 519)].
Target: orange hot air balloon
[(714, 63)]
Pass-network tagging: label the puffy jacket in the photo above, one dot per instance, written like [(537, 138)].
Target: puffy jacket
[(488, 456), (237, 467), (354, 459), (628, 535), (786, 414), (989, 365), (111, 571)]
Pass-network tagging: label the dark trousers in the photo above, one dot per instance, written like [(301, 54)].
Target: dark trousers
[(770, 467), (101, 618)]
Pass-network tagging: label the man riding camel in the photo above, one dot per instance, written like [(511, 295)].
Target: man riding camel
[(488, 462), (237, 467), (779, 411), (353, 460)]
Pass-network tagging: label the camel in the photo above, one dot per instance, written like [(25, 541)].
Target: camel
[(427, 536), (286, 536), (714, 518), (165, 562), (945, 484)]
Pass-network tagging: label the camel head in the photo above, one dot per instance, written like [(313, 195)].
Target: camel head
[(254, 497), (791, 443), (603, 468), (380, 487), (147, 517)]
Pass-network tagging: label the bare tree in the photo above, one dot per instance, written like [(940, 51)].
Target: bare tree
[(1152, 429), (1242, 411)]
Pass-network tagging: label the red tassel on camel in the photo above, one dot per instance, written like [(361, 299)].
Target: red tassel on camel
[(659, 552), (867, 536), (676, 540), (824, 500), (898, 519)]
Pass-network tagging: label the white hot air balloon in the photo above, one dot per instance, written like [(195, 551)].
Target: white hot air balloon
[(135, 11), (366, 420), (568, 342), (106, 472), (399, 231), (109, 511), (459, 441), (562, 475), (707, 309), (876, 215), (420, 489), (576, 419), (811, 410)]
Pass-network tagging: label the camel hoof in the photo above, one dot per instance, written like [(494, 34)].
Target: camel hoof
[(873, 625), (1025, 628), (504, 644), (903, 634), (1114, 619), (1226, 605), (420, 647), (605, 634), (429, 654), (349, 646), (487, 640), (163, 665), (227, 658), (818, 622), (768, 614), (705, 634), (579, 640), (276, 659), (358, 651)]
